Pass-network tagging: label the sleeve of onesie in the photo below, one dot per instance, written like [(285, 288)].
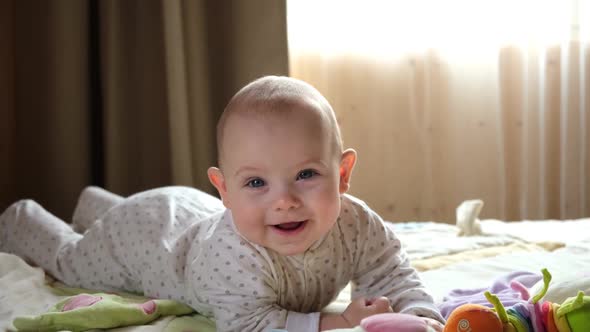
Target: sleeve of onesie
[(383, 268), (241, 292)]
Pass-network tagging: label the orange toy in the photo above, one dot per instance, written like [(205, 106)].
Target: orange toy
[(473, 317)]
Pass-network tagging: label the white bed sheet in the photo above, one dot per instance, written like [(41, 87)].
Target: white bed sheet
[(427, 240), (24, 292), (564, 262), (565, 231)]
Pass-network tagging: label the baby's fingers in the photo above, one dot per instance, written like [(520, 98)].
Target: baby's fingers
[(436, 325), (381, 304)]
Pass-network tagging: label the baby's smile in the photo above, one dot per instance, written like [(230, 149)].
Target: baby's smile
[(290, 228)]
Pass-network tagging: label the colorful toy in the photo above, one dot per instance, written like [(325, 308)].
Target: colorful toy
[(530, 315)]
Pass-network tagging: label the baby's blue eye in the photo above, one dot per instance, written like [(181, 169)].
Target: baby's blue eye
[(306, 174), (255, 183)]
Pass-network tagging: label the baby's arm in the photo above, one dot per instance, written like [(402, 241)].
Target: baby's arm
[(333, 321), (384, 269), (356, 311), (251, 307), (264, 314)]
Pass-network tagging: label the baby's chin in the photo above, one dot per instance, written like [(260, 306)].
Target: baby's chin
[(290, 251)]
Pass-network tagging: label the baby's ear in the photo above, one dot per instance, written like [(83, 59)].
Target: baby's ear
[(218, 181), (347, 162)]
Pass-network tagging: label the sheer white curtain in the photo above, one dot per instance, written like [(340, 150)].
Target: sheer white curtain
[(454, 100)]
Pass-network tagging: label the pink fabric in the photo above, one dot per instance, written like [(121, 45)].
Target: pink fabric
[(148, 307), (393, 322), (537, 317), (80, 301), (522, 289)]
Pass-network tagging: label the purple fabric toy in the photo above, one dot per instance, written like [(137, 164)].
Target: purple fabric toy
[(500, 287)]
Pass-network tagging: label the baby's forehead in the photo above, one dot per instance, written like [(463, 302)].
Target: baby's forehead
[(297, 106), (297, 119), (277, 100)]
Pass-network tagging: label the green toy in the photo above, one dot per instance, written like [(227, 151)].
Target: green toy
[(577, 312)]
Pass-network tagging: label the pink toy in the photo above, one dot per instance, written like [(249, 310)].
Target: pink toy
[(395, 322)]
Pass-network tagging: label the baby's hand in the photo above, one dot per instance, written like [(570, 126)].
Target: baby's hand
[(436, 325), (361, 308)]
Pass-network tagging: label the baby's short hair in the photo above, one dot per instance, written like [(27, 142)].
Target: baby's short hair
[(271, 95)]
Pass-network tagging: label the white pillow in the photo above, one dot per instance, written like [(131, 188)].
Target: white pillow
[(564, 286)]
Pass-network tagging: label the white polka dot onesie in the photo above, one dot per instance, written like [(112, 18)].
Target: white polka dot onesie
[(180, 243)]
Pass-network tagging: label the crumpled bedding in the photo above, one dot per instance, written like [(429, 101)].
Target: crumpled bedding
[(33, 301), (448, 261), (424, 240), (438, 262), (565, 264), (30, 296)]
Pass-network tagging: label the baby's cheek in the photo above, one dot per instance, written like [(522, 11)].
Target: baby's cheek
[(329, 206), (250, 224)]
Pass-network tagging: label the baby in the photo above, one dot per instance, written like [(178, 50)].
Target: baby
[(279, 247)]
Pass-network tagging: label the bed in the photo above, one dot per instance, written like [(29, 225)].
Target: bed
[(467, 255)]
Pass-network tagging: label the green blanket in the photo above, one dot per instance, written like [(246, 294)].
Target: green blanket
[(86, 310)]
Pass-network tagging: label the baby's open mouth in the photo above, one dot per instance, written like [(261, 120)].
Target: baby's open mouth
[(290, 226)]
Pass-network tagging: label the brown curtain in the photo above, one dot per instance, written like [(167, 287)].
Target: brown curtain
[(123, 94)]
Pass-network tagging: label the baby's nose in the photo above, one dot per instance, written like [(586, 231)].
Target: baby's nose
[(287, 200)]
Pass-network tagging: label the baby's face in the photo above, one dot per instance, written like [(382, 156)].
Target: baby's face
[(282, 179)]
